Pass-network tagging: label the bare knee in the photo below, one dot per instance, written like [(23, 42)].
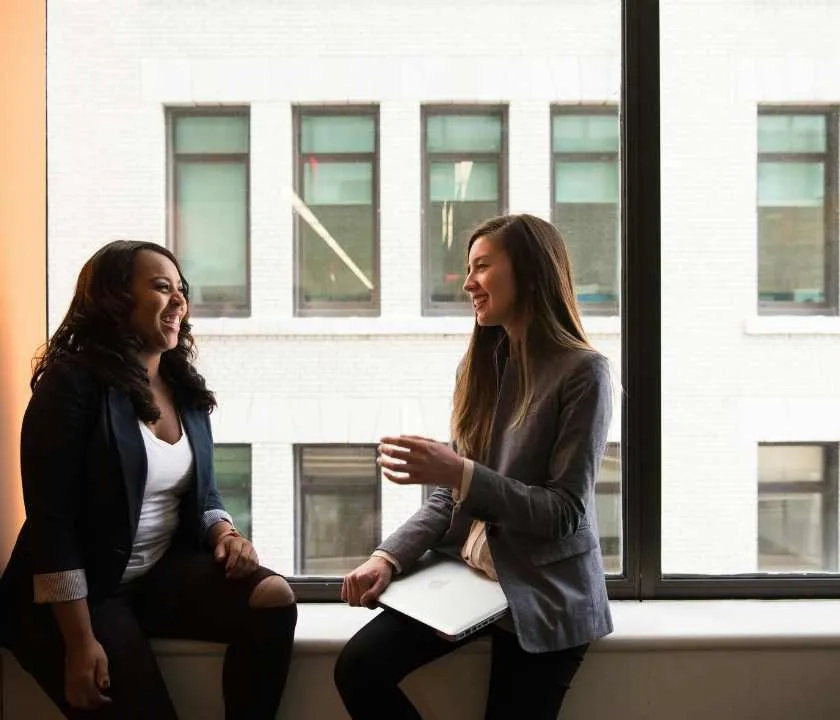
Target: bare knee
[(273, 591)]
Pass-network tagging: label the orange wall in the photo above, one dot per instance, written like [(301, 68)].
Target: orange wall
[(23, 244)]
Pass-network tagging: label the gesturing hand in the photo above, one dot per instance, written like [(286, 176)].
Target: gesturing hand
[(366, 582), (415, 460)]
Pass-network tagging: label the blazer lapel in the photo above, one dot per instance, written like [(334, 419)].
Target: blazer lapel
[(202, 454), (132, 452)]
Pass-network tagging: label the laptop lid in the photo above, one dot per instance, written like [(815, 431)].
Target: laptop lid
[(447, 595)]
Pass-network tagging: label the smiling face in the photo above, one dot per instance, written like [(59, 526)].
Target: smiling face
[(159, 303), (490, 284)]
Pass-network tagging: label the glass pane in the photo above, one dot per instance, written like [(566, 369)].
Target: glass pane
[(211, 231), (340, 501), (211, 134), (585, 133), (332, 183), (791, 133), (464, 181), (337, 134), (791, 232), (608, 506), (463, 133), (790, 533), (449, 226), (232, 464), (337, 255), (591, 231), (791, 463), (786, 184), (586, 182), (745, 234)]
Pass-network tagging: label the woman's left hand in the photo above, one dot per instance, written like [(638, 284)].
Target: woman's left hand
[(414, 460), (238, 555)]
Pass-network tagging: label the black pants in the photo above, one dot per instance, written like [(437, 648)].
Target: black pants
[(389, 647), (184, 596)]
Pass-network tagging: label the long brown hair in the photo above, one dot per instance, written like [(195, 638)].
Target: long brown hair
[(547, 310), (97, 332)]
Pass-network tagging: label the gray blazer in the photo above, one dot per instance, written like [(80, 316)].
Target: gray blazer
[(537, 495)]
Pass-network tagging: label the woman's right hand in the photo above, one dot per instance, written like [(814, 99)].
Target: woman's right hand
[(366, 583), (86, 674)]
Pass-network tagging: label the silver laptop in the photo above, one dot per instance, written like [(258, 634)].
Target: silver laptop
[(447, 595)]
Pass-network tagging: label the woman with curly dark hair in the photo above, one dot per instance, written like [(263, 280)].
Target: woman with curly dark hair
[(126, 536)]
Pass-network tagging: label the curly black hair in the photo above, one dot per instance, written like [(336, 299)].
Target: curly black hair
[(96, 331)]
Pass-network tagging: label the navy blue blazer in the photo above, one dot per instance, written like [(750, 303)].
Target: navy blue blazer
[(83, 465)]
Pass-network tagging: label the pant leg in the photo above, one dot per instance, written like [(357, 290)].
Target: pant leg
[(376, 659), (186, 595), (528, 685), (137, 688)]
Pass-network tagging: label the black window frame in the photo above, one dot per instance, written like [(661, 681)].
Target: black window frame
[(430, 308), (641, 355), (831, 222), (172, 114), (315, 582), (336, 309), (607, 309)]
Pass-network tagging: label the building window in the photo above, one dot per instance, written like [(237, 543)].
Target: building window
[(338, 507), (797, 211), (464, 183), (608, 509), (585, 207), (336, 204), (232, 465), (797, 508), (209, 190)]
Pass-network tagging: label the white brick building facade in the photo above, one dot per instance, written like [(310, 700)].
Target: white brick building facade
[(731, 378)]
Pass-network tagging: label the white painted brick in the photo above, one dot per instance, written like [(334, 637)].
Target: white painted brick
[(113, 67)]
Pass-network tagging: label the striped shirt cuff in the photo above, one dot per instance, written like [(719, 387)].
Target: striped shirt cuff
[(211, 517), (60, 586), (390, 558)]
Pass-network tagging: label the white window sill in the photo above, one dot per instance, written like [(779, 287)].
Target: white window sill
[(658, 625), (371, 326), (793, 325)]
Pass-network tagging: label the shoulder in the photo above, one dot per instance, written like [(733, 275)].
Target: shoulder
[(573, 365), (72, 376)]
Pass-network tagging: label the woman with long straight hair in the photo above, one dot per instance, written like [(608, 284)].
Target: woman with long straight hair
[(516, 489)]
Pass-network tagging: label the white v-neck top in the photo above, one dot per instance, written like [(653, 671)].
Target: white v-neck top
[(170, 467)]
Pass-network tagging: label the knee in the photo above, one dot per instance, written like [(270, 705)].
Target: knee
[(354, 668), (272, 592)]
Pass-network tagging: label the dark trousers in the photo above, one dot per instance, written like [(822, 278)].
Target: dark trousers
[(389, 647), (184, 596)]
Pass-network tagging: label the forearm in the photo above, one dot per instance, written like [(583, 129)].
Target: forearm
[(73, 619), (421, 531)]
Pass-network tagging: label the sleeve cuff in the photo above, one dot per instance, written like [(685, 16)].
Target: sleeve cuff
[(460, 494), (62, 586), (211, 517), (390, 558)]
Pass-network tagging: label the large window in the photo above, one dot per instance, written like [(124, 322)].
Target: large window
[(797, 508), (338, 507), (464, 183), (336, 206), (209, 206), (797, 202), (232, 464), (585, 200)]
